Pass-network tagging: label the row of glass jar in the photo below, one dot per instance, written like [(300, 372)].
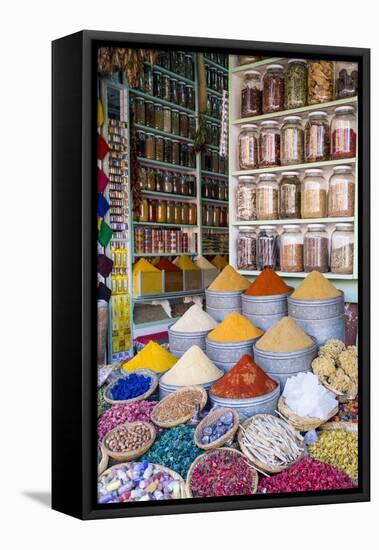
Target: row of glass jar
[(163, 118), (269, 199), (180, 63), (216, 216), (150, 179), (216, 80), (212, 162), (294, 252), (164, 211), (215, 242), (213, 188), (301, 83), (220, 58), (212, 136), (271, 145), (168, 150), (162, 86), (214, 106), (148, 240)]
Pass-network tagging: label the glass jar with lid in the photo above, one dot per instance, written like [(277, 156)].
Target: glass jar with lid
[(141, 141), (150, 180), (216, 217), (224, 217), (291, 141), (178, 212), (152, 208), (159, 181), (175, 151), (166, 88), (159, 148), (342, 249), (190, 98), (205, 188), (142, 177), (180, 63), (191, 126), (158, 117), (221, 190), (343, 130), (209, 214), (185, 213), (170, 212), (182, 100), (289, 195), (149, 114), (167, 150), (273, 89), (320, 81), (183, 154), (341, 192), (191, 186), (296, 84), (143, 211), (148, 80), (167, 119), (246, 198), (192, 214), (316, 248), (314, 194), (162, 212), (167, 182), (346, 79), (183, 125), (157, 84), (164, 59), (247, 249), (267, 197), (267, 247), (140, 110), (188, 66), (251, 94), (174, 90), (176, 183), (183, 185), (317, 137), (248, 147), (175, 121), (269, 144), (291, 249), (150, 146)]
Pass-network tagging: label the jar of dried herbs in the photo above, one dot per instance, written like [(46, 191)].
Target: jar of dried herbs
[(341, 192), (342, 249), (269, 144), (296, 84), (320, 81), (251, 94), (247, 249), (248, 147), (317, 137), (273, 89), (289, 195), (346, 79), (291, 141), (291, 249), (316, 249), (314, 194), (267, 197), (246, 198), (267, 247)]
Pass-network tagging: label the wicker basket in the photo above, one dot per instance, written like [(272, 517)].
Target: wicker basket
[(103, 464), (175, 421), (174, 475), (265, 468), (130, 455), (144, 372), (223, 450), (341, 397), (300, 423), (211, 418), (345, 426)]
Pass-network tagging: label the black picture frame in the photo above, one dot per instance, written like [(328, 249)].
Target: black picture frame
[(74, 445)]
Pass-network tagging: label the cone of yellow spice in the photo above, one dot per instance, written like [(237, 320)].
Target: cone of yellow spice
[(229, 281), (152, 357), (235, 328)]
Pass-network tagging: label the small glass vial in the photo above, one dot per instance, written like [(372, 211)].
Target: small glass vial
[(342, 249), (316, 249), (289, 195), (267, 197), (344, 134), (248, 147), (341, 192), (291, 141), (251, 94), (247, 249), (291, 249), (314, 194), (267, 247), (246, 198)]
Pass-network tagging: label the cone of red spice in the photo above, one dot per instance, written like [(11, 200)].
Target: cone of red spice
[(268, 283), (244, 380), (165, 265)]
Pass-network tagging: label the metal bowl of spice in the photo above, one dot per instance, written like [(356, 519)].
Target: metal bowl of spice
[(179, 407), (129, 441)]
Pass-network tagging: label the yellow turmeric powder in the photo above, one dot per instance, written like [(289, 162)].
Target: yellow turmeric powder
[(315, 287), (234, 328), (152, 357), (228, 281)]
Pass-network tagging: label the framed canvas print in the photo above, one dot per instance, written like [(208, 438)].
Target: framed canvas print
[(211, 291)]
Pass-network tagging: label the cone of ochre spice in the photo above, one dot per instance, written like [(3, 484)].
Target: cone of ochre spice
[(228, 281), (268, 283), (246, 379), (315, 287), (235, 328)]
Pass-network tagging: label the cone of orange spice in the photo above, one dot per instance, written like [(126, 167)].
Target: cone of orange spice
[(268, 283), (246, 379)]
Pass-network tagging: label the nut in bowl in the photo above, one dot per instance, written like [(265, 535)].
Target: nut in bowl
[(129, 441)]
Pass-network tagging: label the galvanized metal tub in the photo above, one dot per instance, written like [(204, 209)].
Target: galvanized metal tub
[(220, 304), (226, 354), (180, 342), (264, 311), (283, 365), (166, 389), (250, 406), (322, 319)]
